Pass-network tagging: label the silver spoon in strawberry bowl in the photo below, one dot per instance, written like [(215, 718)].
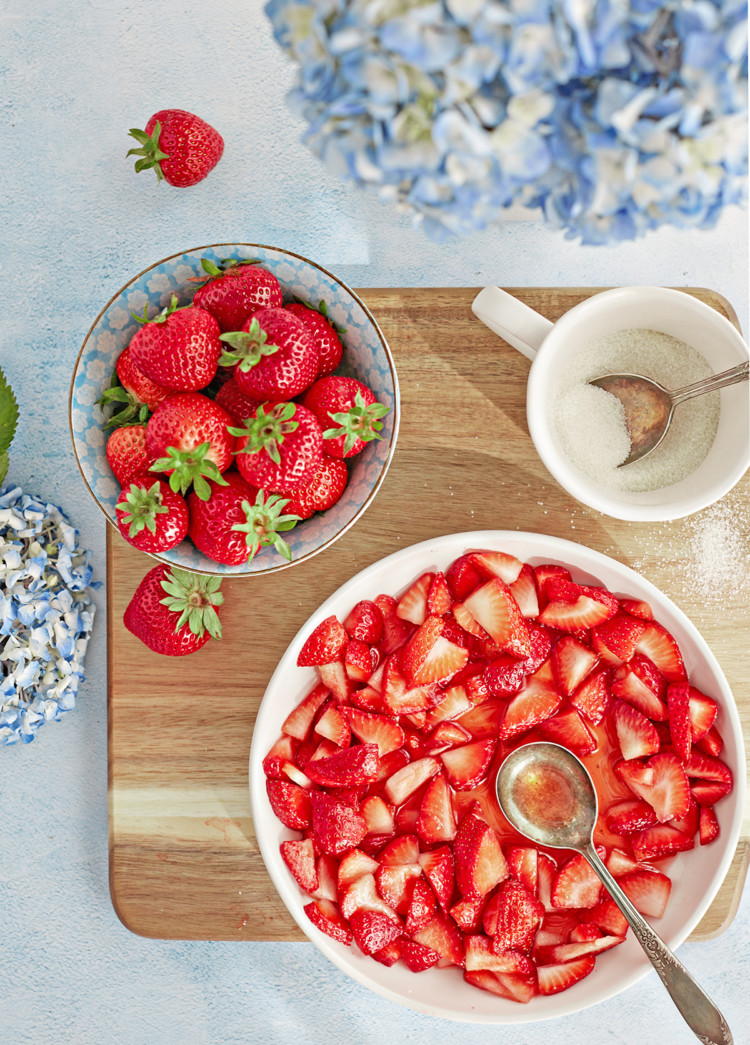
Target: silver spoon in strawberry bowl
[(546, 793)]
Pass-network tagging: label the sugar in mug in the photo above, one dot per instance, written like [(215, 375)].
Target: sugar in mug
[(550, 345)]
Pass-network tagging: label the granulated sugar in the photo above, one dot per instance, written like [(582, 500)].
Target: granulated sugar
[(718, 553), (590, 423)]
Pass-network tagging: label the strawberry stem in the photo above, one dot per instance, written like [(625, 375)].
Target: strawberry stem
[(264, 524), (190, 468), (149, 153), (247, 347), (193, 597), (266, 431), (360, 421), (140, 506)]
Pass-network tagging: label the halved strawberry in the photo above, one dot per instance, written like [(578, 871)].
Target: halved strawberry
[(430, 658), (465, 621), (519, 915), (299, 856), (618, 862), (571, 661), (576, 884), (325, 643), (437, 820), (703, 712), (395, 630), (336, 826), (584, 613), (378, 816), (365, 622), (467, 766), (567, 727), (438, 866), (545, 878), (659, 840), (454, 703), (661, 782), (708, 829), (591, 698), (391, 953), (446, 735), (299, 721), (636, 735), (357, 660), (713, 778), (405, 781), (481, 954), (290, 803), (333, 725), (282, 751), (711, 742), (394, 882), (608, 916), (559, 589), (350, 767), (617, 638), (327, 868), (536, 702), (401, 698), (560, 976), (493, 607), (417, 956), (463, 576), (523, 864), (498, 564), (648, 890), (629, 815), (467, 914), (547, 572), (439, 598), (575, 949), (480, 864), (362, 895), (326, 916), (380, 730), (520, 987), (412, 605), (421, 908), (661, 649), (680, 724), (525, 592), (504, 675), (638, 682), (443, 936), (637, 608), (353, 866), (373, 930)]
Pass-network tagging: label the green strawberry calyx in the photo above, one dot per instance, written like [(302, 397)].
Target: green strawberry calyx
[(128, 410), (267, 430), (150, 154), (140, 506), (247, 347), (213, 270), (162, 316), (265, 523), (323, 310), (361, 421), (193, 597), (8, 422), (188, 468)]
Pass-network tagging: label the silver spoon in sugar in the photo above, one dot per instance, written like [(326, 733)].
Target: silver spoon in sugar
[(649, 406), (546, 793)]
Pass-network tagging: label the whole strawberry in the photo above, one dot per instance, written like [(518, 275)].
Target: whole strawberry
[(325, 334), (132, 393), (322, 492), (181, 147), (126, 452), (281, 448), (150, 516), (236, 290), (179, 349), (235, 402), (348, 412), (237, 520), (273, 355), (174, 612), (188, 437)]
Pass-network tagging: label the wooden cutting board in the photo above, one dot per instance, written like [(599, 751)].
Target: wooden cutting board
[(184, 862)]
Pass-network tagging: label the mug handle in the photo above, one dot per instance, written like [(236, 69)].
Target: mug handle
[(516, 323)]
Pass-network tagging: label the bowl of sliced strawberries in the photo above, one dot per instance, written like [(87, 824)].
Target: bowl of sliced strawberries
[(377, 744), (234, 409)]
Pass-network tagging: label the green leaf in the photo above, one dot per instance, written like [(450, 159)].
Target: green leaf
[(8, 415), (149, 153), (193, 598), (3, 467)]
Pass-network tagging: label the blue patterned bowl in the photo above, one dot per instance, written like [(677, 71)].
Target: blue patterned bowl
[(366, 357)]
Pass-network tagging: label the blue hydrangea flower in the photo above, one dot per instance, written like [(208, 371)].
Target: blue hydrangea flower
[(613, 116), (46, 614)]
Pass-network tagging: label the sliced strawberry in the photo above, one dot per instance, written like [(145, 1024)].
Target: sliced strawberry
[(299, 857), (326, 916), (407, 780), (541, 640), (399, 697), (617, 638), (493, 607), (365, 623), (648, 890), (325, 643), (463, 576), (703, 712), (454, 703), (395, 630), (519, 915), (608, 916), (481, 954), (659, 840), (707, 793), (336, 826), (661, 782), (362, 895), (421, 908), (351, 767), (547, 572), (498, 564), (446, 735), (373, 930), (637, 608), (711, 742), (378, 816), (290, 803), (480, 864), (559, 589), (438, 866), (591, 698), (386, 734), (466, 622), (357, 660), (559, 977), (523, 864), (688, 823), (680, 724), (439, 598), (299, 721), (324, 749), (353, 866), (333, 725), (576, 884), (545, 878), (661, 649), (327, 868), (437, 820), (429, 657), (709, 770), (618, 862), (467, 914), (629, 815), (636, 735), (391, 953), (634, 682), (442, 936), (568, 728), (395, 883), (708, 829), (585, 931), (525, 592), (575, 949), (504, 675), (283, 751), (536, 702), (520, 987), (467, 766), (417, 956), (412, 605), (572, 661), (586, 612)]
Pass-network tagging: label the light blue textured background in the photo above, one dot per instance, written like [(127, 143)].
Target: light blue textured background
[(75, 224)]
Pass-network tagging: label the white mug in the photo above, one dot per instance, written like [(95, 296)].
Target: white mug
[(674, 312)]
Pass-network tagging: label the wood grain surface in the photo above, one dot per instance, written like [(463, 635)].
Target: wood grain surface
[(184, 862)]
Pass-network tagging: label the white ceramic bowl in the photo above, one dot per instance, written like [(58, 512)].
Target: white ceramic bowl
[(696, 875), (366, 357)]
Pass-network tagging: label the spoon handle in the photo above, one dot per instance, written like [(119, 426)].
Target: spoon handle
[(712, 383), (697, 1009)]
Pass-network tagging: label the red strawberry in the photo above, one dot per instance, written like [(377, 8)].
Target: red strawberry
[(236, 521), (348, 412), (299, 857), (523, 864), (637, 608), (714, 778), (273, 355), (592, 696), (661, 782), (641, 685), (239, 406), (395, 630), (493, 607), (378, 816), (467, 766), (572, 661), (188, 438), (322, 491), (181, 147), (126, 452), (636, 735), (578, 615), (281, 448), (518, 917), (332, 724), (438, 866), (659, 840), (179, 348), (504, 675), (439, 598), (358, 660), (519, 987), (373, 930), (703, 712), (135, 394), (353, 866), (351, 767), (525, 592), (463, 576), (536, 702), (430, 658), (558, 977), (436, 821), (576, 884), (405, 781), (567, 727), (325, 644), (325, 334), (480, 862), (174, 612), (336, 826), (299, 721), (235, 290), (708, 825), (365, 622), (421, 909), (417, 956), (326, 916), (629, 815), (290, 803), (661, 649), (617, 638), (443, 936), (150, 516), (680, 724), (648, 890), (412, 605), (375, 729)]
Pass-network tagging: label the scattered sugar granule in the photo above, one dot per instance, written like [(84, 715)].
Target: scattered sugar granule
[(590, 423), (718, 552)]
